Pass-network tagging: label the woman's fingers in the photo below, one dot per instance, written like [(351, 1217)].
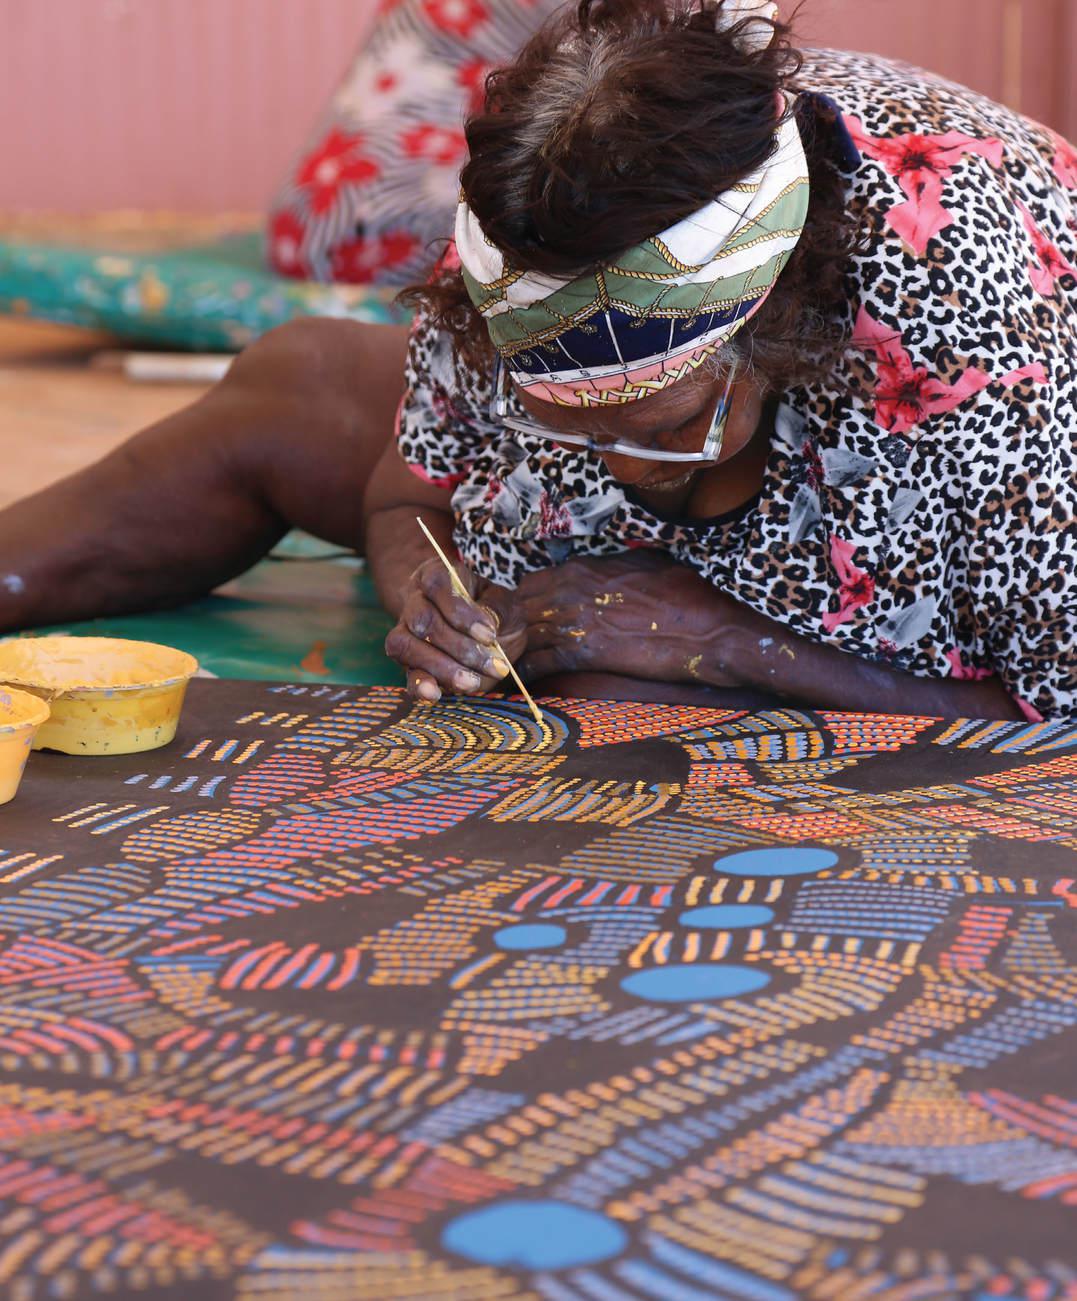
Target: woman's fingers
[(424, 621), (435, 664), (421, 686), (435, 583), (438, 657), (505, 610), (449, 643)]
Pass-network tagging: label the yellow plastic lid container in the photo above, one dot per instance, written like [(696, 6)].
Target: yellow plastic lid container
[(21, 715), (106, 695)]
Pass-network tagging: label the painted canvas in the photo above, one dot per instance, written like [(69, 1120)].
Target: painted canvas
[(344, 998)]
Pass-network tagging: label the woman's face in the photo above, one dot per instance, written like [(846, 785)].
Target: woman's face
[(676, 419)]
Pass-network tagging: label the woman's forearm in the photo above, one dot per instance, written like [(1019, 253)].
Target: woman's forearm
[(395, 548), (288, 438), (160, 520), (762, 653)]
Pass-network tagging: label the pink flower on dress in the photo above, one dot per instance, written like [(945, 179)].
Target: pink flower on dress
[(458, 17), (358, 261), (857, 586), (286, 234), (921, 164), (336, 162), (1065, 162), (1049, 264), (906, 395), (965, 672), (1030, 711), (434, 144)]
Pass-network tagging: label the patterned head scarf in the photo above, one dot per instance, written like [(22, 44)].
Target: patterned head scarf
[(633, 325)]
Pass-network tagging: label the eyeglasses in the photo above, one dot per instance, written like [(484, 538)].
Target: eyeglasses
[(712, 445)]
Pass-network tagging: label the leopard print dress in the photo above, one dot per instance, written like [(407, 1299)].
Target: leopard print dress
[(919, 510)]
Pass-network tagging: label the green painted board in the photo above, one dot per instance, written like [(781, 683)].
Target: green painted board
[(217, 295), (266, 623)]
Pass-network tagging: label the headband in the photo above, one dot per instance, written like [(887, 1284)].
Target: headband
[(633, 325)]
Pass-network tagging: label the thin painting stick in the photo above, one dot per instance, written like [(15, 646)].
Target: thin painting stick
[(166, 367), (461, 591)]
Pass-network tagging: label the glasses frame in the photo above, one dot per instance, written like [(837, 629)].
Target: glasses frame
[(712, 446)]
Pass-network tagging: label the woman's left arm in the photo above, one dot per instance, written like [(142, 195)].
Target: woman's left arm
[(644, 616)]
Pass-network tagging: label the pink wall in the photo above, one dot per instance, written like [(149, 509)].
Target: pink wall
[(198, 105), (1021, 52), (186, 104)]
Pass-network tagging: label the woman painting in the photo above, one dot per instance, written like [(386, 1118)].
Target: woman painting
[(748, 368)]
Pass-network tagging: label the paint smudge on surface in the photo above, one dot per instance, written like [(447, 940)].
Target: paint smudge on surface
[(314, 660)]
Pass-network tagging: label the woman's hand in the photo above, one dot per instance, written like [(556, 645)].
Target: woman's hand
[(640, 615), (445, 642)]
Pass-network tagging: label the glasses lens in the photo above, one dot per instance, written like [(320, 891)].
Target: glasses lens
[(698, 439)]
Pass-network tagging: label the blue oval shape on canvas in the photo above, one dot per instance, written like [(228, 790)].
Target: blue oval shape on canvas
[(534, 1235), (727, 916), (694, 982), (542, 935), (792, 860)]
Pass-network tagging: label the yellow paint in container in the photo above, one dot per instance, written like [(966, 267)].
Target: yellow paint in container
[(21, 715), (106, 695)]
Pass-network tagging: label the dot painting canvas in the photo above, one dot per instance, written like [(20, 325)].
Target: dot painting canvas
[(347, 998)]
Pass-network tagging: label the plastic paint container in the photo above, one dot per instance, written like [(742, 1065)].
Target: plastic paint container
[(21, 714), (106, 696)]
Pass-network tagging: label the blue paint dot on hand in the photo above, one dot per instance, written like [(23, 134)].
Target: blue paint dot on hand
[(541, 1234), (727, 916), (523, 936), (791, 860), (693, 982)]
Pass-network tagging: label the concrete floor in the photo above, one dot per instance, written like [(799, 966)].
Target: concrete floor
[(57, 413)]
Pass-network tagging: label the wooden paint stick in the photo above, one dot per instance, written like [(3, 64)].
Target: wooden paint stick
[(166, 367), (460, 590)]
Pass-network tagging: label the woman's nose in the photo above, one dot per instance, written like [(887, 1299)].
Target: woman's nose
[(628, 470)]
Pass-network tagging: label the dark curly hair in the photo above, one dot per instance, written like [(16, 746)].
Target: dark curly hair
[(620, 118)]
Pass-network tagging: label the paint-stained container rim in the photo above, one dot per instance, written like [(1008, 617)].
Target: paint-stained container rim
[(22, 715), (107, 695), (20, 710), (48, 665)]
